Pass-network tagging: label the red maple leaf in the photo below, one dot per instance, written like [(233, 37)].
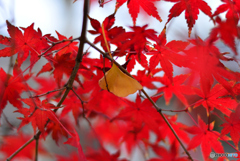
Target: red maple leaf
[(147, 77), (140, 113), (203, 59), (232, 7), (232, 125), (165, 53), (109, 32), (109, 131), (135, 135), (176, 86), (227, 31), (11, 88), (167, 134), (205, 137), (217, 97), (66, 46), (61, 64), (38, 113), (57, 131), (191, 8), (105, 103), (134, 43), (31, 42), (134, 6)]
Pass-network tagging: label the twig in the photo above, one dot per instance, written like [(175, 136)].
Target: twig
[(55, 43), (192, 118), (214, 113), (48, 92), (82, 102), (55, 51), (64, 40)]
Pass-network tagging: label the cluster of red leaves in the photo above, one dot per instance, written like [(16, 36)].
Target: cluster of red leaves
[(205, 82)]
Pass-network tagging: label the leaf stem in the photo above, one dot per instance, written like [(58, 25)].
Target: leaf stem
[(48, 92), (105, 40)]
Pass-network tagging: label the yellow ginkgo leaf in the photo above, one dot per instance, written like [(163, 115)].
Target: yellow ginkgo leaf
[(119, 83)]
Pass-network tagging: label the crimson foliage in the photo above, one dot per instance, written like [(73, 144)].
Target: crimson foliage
[(205, 88)]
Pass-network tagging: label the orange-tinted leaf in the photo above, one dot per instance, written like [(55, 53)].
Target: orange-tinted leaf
[(119, 83)]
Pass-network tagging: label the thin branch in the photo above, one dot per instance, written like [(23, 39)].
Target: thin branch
[(55, 51), (58, 42), (64, 40), (82, 102), (78, 96), (214, 113), (48, 92), (192, 118), (184, 110)]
